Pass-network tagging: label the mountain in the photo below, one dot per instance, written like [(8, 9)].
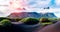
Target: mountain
[(31, 14), (24, 15), (48, 15)]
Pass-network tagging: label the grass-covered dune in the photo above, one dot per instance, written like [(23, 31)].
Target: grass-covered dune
[(7, 25), (28, 19)]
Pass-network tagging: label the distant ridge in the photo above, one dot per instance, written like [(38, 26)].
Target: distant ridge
[(31, 14)]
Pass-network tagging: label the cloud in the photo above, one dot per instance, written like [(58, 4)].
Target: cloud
[(4, 2), (4, 11), (57, 14), (57, 2), (31, 6), (39, 3)]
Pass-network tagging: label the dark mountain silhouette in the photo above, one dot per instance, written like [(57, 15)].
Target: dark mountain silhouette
[(31, 14), (24, 15), (48, 15)]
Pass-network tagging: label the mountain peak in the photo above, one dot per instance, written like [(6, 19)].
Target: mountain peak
[(31, 14)]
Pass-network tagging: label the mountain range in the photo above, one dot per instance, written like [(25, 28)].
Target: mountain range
[(31, 14)]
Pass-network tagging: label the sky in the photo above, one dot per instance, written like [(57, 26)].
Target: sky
[(9, 6)]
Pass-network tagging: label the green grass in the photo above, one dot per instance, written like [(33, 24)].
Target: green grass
[(46, 23), (20, 19)]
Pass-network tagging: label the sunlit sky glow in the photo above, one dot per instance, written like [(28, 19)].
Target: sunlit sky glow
[(9, 6)]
